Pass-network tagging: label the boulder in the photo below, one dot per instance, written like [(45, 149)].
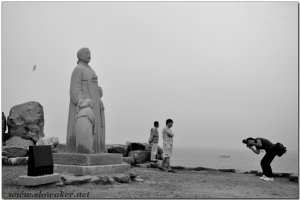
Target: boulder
[(75, 180), (227, 170), (160, 153), (204, 169), (132, 175), (140, 156), (18, 142), (26, 120), (178, 167), (117, 148), (144, 165), (53, 141), (18, 161), (129, 160), (133, 146), (147, 146), (122, 178), (3, 123), (12, 152), (104, 180)]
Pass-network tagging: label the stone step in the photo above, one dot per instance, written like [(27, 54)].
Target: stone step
[(38, 180), (91, 170), (87, 159)]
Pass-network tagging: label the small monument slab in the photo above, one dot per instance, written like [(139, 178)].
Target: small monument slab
[(78, 170), (87, 159), (38, 180)]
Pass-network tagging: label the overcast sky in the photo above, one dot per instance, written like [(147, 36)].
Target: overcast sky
[(223, 71)]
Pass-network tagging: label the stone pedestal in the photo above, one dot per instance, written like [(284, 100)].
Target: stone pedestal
[(89, 164), (38, 180)]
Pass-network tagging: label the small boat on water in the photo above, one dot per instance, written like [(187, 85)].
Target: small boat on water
[(224, 156)]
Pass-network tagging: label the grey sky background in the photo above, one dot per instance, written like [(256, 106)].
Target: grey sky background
[(223, 71)]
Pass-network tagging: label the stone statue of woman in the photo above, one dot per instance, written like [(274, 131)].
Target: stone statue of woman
[(84, 88)]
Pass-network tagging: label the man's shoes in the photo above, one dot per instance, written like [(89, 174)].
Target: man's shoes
[(263, 177), (171, 170), (268, 179)]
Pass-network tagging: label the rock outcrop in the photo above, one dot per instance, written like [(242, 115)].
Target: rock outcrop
[(18, 142), (53, 141), (118, 148), (27, 121), (140, 156), (12, 152)]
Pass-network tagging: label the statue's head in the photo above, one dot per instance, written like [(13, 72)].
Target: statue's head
[(84, 55)]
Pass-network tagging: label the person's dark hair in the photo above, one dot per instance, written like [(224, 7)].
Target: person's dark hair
[(156, 123), (169, 121), (247, 140)]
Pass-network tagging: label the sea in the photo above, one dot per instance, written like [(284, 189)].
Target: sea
[(239, 159)]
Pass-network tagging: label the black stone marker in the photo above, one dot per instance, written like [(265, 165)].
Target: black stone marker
[(40, 160)]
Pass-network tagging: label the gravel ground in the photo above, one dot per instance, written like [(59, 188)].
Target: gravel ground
[(159, 184)]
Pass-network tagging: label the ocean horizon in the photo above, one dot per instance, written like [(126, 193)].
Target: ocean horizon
[(239, 159)]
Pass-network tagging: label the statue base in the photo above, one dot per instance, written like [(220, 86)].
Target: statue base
[(87, 159), (89, 164), (91, 170)]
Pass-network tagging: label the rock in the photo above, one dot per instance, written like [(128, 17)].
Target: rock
[(227, 170), (253, 172), (147, 146), (104, 180), (12, 152), (259, 173), (53, 141), (140, 156), (160, 153), (60, 184), (132, 175), (3, 123), (139, 180), (75, 180), (18, 142), (5, 160), (144, 165), (204, 169), (293, 177), (26, 120), (14, 161), (118, 148), (134, 146), (122, 178), (178, 167), (276, 174), (128, 160), (18, 161)]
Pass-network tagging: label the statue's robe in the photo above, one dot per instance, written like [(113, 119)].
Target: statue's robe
[(84, 130), (84, 85)]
